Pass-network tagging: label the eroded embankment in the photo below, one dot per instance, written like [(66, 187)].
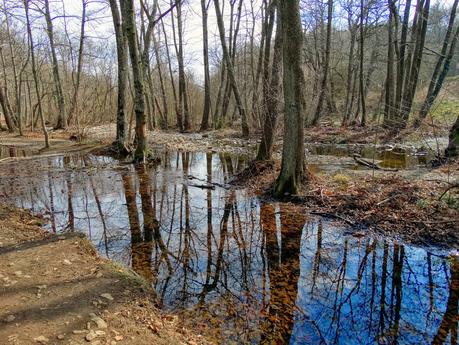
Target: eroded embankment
[(55, 289)]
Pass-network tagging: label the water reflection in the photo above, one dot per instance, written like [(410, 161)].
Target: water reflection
[(394, 157), (257, 272)]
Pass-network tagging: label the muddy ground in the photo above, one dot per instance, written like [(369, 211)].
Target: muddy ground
[(56, 290)]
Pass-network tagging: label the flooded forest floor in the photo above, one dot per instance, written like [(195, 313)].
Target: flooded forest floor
[(196, 235)]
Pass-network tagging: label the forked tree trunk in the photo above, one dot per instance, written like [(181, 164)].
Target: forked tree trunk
[(293, 169)]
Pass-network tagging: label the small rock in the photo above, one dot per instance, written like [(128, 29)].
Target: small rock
[(10, 318), (90, 336), (107, 296), (61, 337), (98, 321), (99, 333), (79, 331), (41, 339)]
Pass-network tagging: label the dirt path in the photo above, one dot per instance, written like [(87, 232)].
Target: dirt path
[(55, 290)]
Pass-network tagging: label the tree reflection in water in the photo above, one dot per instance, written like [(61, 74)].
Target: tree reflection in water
[(254, 272)]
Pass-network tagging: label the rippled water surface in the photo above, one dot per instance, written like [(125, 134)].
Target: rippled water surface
[(256, 272)]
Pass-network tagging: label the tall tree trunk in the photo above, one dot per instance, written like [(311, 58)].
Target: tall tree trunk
[(34, 72), (205, 43), (7, 111), (183, 97), (121, 51), (323, 88), (74, 104), (361, 74), (271, 95), (389, 87), (62, 118), (453, 146), (138, 79), (230, 69), (441, 68), (164, 123), (292, 170), (412, 81)]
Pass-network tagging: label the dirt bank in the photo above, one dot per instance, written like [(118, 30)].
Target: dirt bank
[(55, 290)]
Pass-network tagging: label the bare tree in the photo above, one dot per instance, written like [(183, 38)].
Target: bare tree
[(62, 117), (293, 169)]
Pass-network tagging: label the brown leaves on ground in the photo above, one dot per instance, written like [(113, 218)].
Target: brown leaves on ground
[(412, 209)]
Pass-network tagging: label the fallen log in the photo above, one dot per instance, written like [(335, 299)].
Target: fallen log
[(369, 164)]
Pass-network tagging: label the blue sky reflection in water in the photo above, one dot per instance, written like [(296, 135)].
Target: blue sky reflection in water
[(264, 272)]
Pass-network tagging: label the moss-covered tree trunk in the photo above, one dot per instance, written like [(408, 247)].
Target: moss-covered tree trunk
[(453, 148), (292, 170)]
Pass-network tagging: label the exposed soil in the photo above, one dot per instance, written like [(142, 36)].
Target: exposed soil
[(56, 290)]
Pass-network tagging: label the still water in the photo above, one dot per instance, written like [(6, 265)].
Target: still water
[(252, 271)]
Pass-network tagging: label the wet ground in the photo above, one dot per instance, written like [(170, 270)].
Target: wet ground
[(252, 271)]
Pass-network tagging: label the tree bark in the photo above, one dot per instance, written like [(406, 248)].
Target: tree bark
[(34, 73), (453, 147), (230, 69), (205, 42), (323, 88), (441, 67), (271, 95), (292, 170), (138, 79), (62, 118), (121, 51)]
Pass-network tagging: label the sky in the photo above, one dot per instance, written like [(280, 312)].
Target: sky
[(103, 27)]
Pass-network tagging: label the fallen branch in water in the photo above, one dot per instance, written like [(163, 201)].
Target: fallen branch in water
[(369, 164)]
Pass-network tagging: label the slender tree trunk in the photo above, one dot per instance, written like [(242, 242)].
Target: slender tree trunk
[(271, 96), (74, 104), (34, 72), (410, 87), (230, 69), (293, 169), (389, 87), (207, 100), (441, 67), (138, 80), (323, 88), (62, 118), (121, 51), (361, 74)]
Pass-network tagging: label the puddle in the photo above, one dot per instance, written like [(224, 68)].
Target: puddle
[(255, 272), (386, 157)]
